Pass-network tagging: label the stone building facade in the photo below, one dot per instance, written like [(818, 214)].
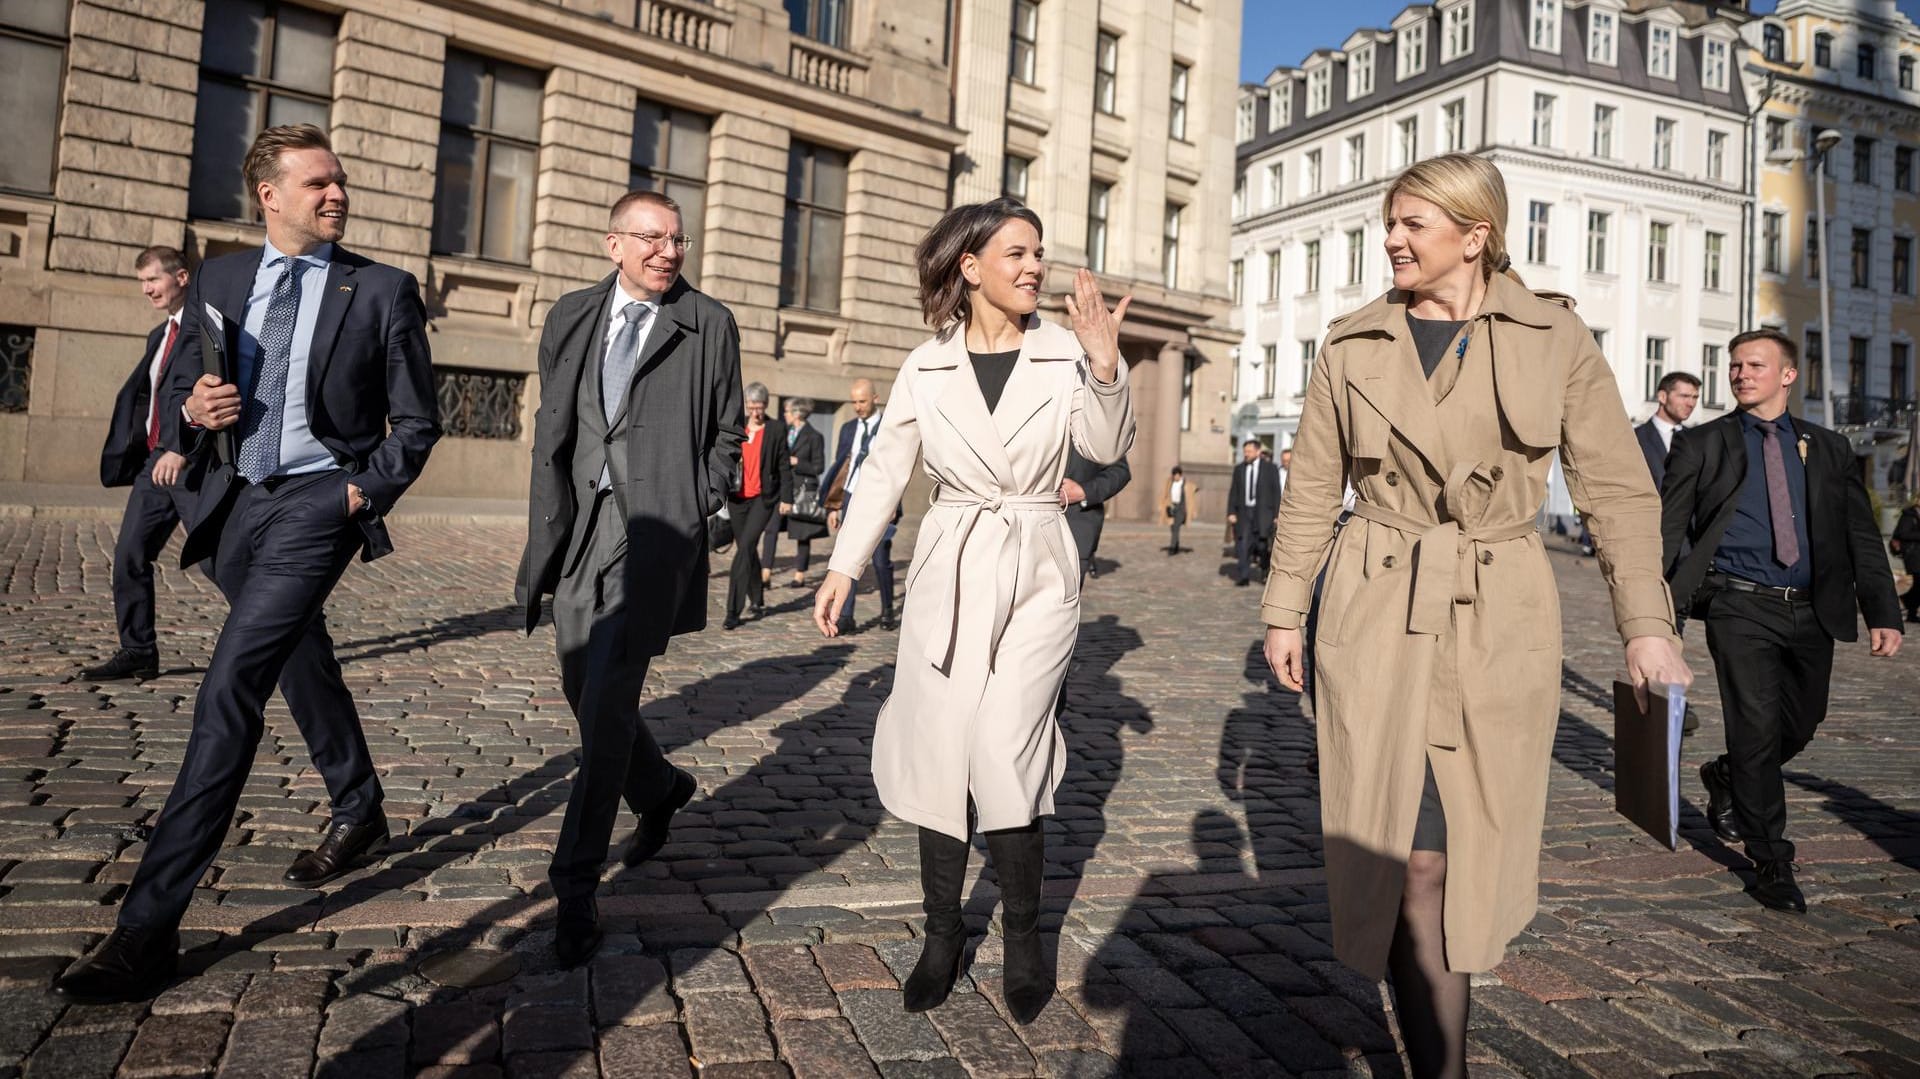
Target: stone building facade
[(1112, 119), (812, 142), (1619, 126), (1846, 66), (484, 142)]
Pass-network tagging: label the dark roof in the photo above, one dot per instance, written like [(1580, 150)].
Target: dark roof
[(1500, 33)]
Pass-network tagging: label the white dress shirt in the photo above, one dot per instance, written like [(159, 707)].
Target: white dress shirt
[(1666, 430), (868, 430)]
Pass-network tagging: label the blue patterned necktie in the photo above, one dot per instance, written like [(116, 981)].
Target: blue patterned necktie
[(616, 370), (267, 397)]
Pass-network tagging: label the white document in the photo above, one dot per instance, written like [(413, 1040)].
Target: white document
[(1676, 720), (215, 322)]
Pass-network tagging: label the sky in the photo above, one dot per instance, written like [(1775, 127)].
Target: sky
[(1276, 32)]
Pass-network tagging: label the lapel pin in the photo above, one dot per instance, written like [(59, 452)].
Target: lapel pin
[(346, 288), (1803, 440)]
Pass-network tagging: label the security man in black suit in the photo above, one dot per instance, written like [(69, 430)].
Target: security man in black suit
[(304, 376), (1251, 508), (1677, 395), (841, 479), (1085, 491), (133, 455), (1770, 540)]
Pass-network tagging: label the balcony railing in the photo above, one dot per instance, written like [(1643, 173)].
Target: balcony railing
[(827, 67), (697, 24), (1853, 410)]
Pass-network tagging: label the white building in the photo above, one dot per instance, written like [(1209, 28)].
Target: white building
[(1620, 126)]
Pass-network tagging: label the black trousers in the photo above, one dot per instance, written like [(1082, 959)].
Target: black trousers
[(283, 547), (619, 757), (1177, 519), (1249, 546), (1773, 663), (152, 514), (770, 546), (1910, 599), (750, 518)]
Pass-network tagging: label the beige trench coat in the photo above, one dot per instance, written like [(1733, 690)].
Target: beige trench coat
[(993, 594), (1439, 630)]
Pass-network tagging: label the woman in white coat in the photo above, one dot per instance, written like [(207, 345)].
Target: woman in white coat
[(989, 405)]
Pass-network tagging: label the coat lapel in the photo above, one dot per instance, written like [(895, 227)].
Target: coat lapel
[(962, 406), (230, 299), (334, 300), (673, 323), (1029, 388), (1389, 376)]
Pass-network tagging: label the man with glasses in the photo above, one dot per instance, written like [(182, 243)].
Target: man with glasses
[(636, 442)]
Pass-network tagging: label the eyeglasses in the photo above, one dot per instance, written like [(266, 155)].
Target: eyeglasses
[(656, 240)]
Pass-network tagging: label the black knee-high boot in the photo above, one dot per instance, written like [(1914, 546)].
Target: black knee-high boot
[(943, 870), (1019, 862)]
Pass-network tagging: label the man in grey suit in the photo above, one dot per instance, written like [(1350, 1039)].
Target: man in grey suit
[(636, 442)]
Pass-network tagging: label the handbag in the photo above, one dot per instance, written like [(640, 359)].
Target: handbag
[(719, 532), (808, 507)]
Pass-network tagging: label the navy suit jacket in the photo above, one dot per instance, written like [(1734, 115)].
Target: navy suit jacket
[(1705, 472), (125, 452), (1654, 450), (843, 458), (370, 392)]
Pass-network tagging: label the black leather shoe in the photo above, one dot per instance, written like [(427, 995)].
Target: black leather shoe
[(1773, 886), (888, 621), (731, 622), (651, 835), (343, 847), (125, 664), (1690, 722), (133, 964), (576, 934), (1714, 777)]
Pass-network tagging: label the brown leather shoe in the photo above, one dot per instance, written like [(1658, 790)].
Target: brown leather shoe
[(133, 964), (343, 847)]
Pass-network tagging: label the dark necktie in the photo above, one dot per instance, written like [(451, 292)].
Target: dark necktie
[(267, 399), (1251, 469), (1786, 545), (166, 357), (866, 440)]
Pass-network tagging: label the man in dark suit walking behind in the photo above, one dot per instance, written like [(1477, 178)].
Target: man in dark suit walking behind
[(1677, 395), (636, 442), (1085, 491), (133, 455), (304, 373), (1770, 540), (841, 478), (1251, 507)]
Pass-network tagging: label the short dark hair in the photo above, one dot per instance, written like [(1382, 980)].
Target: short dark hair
[(1177, 472), (638, 198), (1251, 442), (1674, 378), (263, 157), (169, 259), (1789, 352), (961, 231)]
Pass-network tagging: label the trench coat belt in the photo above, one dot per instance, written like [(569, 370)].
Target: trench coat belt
[(1433, 591), (974, 510)]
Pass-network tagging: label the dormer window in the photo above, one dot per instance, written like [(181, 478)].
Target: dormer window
[(1773, 44), (1660, 52), (1360, 73), (1544, 28), (1319, 90), (1243, 121), (1456, 32), (1411, 51), (1280, 106), (1823, 49), (1713, 65), (1603, 43)]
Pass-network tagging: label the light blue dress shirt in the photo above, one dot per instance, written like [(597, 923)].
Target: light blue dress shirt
[(300, 452)]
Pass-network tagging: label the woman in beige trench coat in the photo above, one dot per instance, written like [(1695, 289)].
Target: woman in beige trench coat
[(989, 405), (1437, 669)]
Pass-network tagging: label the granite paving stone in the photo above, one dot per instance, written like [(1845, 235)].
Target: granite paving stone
[(1184, 905)]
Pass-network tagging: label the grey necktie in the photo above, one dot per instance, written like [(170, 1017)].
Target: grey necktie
[(259, 455), (1786, 544), (616, 370)]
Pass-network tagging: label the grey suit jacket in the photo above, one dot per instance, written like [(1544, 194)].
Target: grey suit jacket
[(685, 425)]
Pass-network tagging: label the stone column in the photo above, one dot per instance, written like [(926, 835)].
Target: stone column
[(980, 99), (1171, 369), (746, 206), (386, 128)]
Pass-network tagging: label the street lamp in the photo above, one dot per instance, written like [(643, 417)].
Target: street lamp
[(1823, 144)]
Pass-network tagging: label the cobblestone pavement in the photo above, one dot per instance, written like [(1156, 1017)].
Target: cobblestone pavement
[(770, 936)]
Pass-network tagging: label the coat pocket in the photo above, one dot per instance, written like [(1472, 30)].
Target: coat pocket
[(1367, 430), (1333, 606), (925, 545), (1051, 534)]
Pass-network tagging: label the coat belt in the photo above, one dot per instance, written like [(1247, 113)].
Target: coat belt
[(1433, 598), (974, 510)]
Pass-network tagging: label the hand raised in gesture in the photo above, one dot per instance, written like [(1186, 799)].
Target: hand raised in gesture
[(1097, 328)]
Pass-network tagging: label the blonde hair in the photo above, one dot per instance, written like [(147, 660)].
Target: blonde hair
[(1469, 190)]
